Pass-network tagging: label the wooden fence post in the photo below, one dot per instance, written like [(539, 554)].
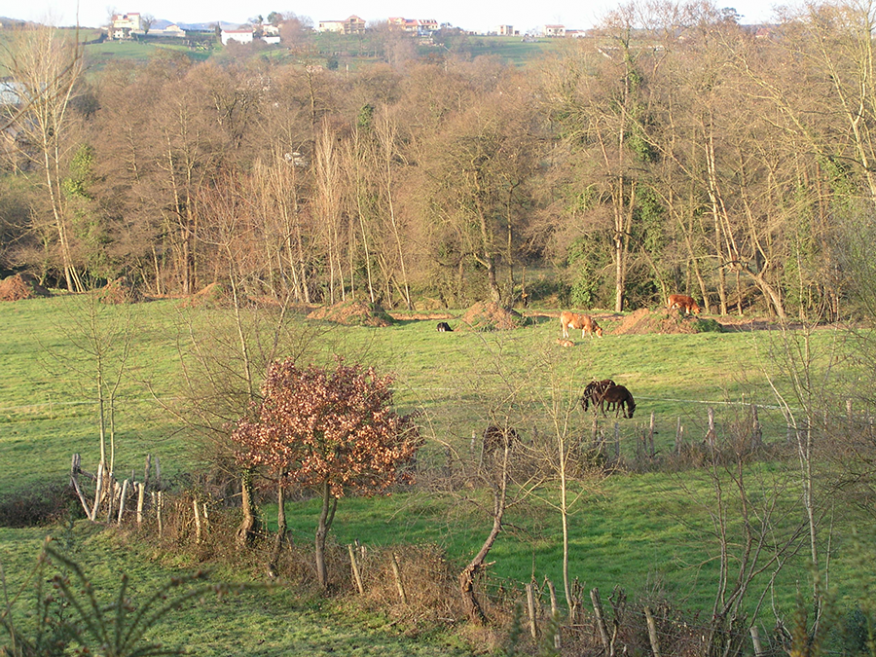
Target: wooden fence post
[(197, 521), (141, 493), (679, 437), (398, 580), (355, 566), (122, 497), (600, 620), (555, 615), (651, 432), (757, 433), (652, 632), (617, 440), (755, 640), (530, 609), (710, 434)]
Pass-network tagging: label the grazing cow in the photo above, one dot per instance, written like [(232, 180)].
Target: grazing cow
[(499, 438), (444, 327), (621, 398), (683, 302), (579, 321), (593, 391)]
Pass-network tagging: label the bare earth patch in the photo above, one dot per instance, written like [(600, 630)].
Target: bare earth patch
[(120, 291), (21, 286), (353, 313), (492, 317)]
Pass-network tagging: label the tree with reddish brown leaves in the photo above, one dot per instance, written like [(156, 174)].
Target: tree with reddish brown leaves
[(331, 431)]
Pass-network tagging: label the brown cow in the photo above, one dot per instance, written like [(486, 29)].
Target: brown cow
[(579, 321), (683, 302), (621, 398), (593, 391)]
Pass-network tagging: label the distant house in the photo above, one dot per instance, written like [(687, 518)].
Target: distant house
[(271, 39), (240, 36), (351, 25), (169, 31), (418, 26), (555, 30), (506, 30), (124, 25)]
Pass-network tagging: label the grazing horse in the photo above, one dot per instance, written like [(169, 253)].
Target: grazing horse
[(683, 302), (621, 398), (593, 391), (444, 327), (499, 438), (579, 321)]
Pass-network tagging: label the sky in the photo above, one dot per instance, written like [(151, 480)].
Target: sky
[(474, 15)]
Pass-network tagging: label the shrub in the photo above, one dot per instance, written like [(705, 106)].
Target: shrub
[(37, 506)]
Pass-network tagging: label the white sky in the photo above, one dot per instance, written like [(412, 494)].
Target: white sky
[(477, 15)]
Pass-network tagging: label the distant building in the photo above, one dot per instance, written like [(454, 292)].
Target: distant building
[(506, 30), (169, 31), (240, 36), (124, 25), (418, 26), (351, 25), (555, 30)]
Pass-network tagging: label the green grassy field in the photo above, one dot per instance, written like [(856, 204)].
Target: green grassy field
[(649, 533)]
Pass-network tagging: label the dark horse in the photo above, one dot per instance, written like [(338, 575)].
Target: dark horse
[(621, 398), (444, 327), (499, 438), (593, 391)]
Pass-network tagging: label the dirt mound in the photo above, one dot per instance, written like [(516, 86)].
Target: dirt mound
[(353, 313), (120, 291), (21, 286), (215, 295), (644, 321), (492, 317)]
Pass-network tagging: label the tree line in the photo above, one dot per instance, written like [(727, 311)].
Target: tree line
[(673, 151)]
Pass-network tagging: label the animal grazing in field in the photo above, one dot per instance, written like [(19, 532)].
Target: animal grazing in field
[(444, 327), (593, 391), (565, 343), (683, 302), (499, 438), (579, 321), (621, 398)]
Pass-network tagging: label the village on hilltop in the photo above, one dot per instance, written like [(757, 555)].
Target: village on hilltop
[(135, 25)]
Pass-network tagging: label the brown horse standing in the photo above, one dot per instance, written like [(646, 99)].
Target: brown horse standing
[(593, 391), (621, 398)]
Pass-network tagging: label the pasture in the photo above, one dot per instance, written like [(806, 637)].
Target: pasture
[(648, 529)]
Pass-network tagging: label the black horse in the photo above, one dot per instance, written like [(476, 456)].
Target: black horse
[(444, 327)]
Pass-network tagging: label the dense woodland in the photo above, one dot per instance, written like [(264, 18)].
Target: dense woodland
[(677, 152)]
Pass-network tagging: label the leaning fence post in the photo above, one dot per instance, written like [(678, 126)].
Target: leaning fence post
[(755, 640), (600, 620), (651, 435), (355, 566), (530, 608), (122, 501), (398, 580), (652, 632), (555, 614)]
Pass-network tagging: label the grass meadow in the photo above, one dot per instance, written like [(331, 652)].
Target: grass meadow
[(650, 532)]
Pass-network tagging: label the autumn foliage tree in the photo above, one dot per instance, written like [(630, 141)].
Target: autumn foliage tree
[(332, 431)]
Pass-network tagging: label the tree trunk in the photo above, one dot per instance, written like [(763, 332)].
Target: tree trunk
[(326, 517), (249, 525)]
